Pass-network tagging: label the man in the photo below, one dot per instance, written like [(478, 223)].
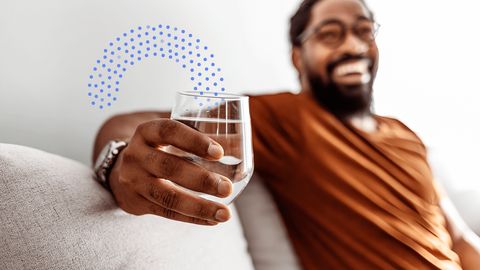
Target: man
[(355, 189)]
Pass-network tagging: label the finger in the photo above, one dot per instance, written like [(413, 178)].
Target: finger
[(170, 132), (166, 194), (184, 172), (149, 207)]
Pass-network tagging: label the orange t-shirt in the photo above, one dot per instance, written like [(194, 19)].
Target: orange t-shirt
[(349, 199)]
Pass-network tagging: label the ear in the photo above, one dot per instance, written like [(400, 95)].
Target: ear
[(297, 59)]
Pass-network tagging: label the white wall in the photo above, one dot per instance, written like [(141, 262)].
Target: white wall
[(427, 71)]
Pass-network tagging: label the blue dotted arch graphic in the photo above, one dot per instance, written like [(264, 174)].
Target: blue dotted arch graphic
[(143, 43)]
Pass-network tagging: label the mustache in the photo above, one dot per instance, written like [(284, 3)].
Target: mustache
[(345, 58)]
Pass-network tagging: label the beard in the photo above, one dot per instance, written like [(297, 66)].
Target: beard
[(341, 100)]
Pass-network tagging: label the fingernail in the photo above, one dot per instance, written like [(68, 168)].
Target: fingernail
[(222, 215), (212, 222), (215, 150), (224, 187)]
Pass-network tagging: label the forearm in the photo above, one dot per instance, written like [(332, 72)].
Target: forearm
[(122, 127)]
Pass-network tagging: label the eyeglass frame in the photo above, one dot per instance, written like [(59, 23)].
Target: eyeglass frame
[(307, 34)]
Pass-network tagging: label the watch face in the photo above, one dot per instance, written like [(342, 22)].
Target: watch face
[(101, 157)]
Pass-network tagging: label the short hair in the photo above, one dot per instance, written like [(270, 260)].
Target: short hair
[(299, 20)]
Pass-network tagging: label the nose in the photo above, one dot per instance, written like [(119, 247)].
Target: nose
[(353, 45)]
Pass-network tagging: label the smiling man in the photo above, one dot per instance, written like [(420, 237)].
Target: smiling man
[(354, 188)]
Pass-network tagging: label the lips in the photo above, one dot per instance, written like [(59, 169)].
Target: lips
[(352, 72)]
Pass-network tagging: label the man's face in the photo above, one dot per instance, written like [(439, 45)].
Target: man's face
[(339, 68)]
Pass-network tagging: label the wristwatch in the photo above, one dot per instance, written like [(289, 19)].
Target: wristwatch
[(105, 161)]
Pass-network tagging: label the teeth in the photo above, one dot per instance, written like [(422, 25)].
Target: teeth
[(355, 67)]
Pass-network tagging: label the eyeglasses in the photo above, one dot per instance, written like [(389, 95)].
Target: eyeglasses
[(332, 33)]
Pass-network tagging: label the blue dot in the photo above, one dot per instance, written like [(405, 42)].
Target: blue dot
[(183, 31), (154, 37), (98, 61), (191, 61), (125, 61), (205, 59), (132, 39), (93, 103), (111, 61), (190, 35), (221, 79), (104, 57), (183, 48), (163, 55), (191, 70), (139, 51), (116, 89), (211, 55), (154, 53), (125, 44), (141, 43), (131, 63), (94, 69), (95, 85), (132, 55), (102, 99), (183, 40), (199, 74), (89, 94), (114, 98), (124, 69), (207, 79), (168, 27), (215, 84), (146, 55), (146, 33), (198, 55), (170, 51), (195, 88), (196, 47), (219, 69), (124, 34), (198, 64), (109, 86), (91, 76), (105, 50), (175, 38), (139, 28), (139, 59), (96, 96), (198, 40), (161, 49), (153, 28), (139, 35), (208, 88), (160, 26), (121, 76), (118, 65), (213, 64), (184, 66), (205, 48), (213, 74), (176, 45), (118, 39), (189, 44), (199, 83), (119, 48), (155, 45), (109, 69), (170, 57), (201, 93), (175, 29), (109, 94), (148, 48), (131, 30), (117, 82), (109, 104), (101, 107), (216, 94), (176, 53), (206, 68), (223, 89), (169, 35), (169, 44), (201, 104), (114, 72), (190, 52), (183, 57)]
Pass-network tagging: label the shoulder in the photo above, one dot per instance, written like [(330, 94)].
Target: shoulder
[(400, 128), (272, 103)]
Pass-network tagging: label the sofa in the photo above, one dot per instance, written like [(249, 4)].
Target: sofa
[(53, 215)]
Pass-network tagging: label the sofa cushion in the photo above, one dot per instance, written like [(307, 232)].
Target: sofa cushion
[(266, 234), (53, 215)]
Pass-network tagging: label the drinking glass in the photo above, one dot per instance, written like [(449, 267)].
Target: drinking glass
[(226, 119)]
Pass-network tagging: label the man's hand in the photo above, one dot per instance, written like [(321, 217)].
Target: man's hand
[(138, 178)]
